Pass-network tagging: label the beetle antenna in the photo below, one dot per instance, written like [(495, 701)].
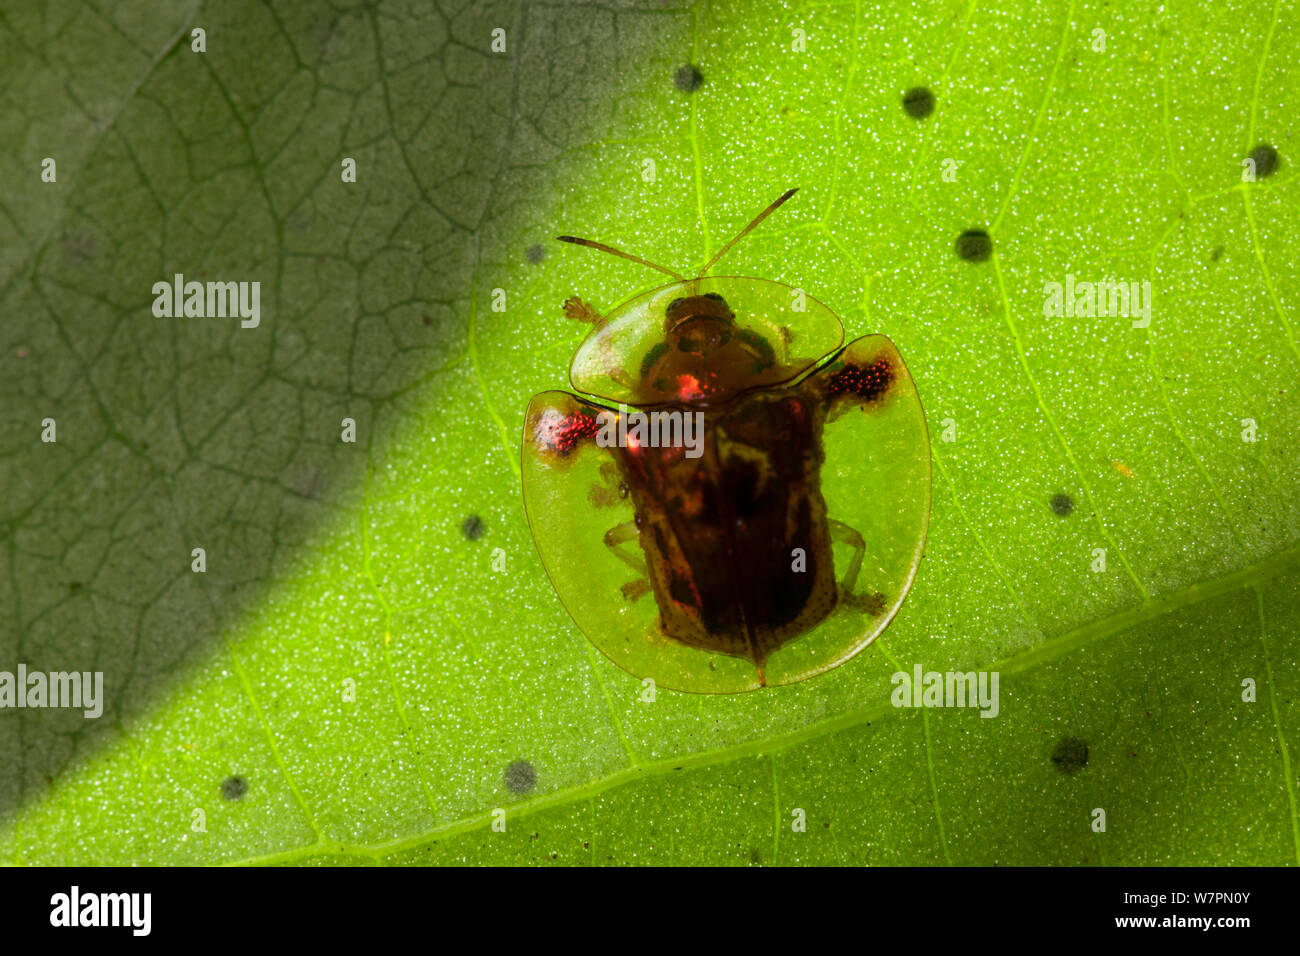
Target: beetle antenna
[(744, 232), (618, 252)]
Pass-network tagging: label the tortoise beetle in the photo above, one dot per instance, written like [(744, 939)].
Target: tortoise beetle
[(689, 513)]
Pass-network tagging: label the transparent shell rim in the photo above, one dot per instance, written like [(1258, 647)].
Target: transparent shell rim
[(831, 664)]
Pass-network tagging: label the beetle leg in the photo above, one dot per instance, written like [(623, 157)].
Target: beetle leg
[(873, 603), (602, 496), (615, 538), (636, 588), (620, 535), (576, 308), (612, 491)]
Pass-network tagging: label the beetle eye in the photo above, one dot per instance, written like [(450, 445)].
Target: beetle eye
[(673, 304), (714, 296)]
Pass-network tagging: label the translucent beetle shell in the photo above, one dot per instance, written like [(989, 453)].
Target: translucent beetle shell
[(735, 500)]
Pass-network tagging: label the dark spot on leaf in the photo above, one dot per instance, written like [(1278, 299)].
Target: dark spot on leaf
[(427, 320), (232, 788), (307, 482), (535, 253), (300, 219), (974, 245), (79, 248), (918, 102), (1070, 755), (1216, 254), (472, 527), (1061, 504), (74, 585), (688, 78), (520, 777), (1266, 160), (755, 857)]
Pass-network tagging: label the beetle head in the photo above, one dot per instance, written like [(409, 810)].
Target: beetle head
[(703, 341), (699, 323)]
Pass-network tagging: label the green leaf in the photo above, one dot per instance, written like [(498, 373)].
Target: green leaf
[(374, 565)]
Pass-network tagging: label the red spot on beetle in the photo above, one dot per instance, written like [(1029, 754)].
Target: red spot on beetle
[(560, 434), (688, 387), (866, 382)]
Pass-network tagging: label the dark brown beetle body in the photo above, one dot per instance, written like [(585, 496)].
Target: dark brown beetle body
[(719, 532)]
